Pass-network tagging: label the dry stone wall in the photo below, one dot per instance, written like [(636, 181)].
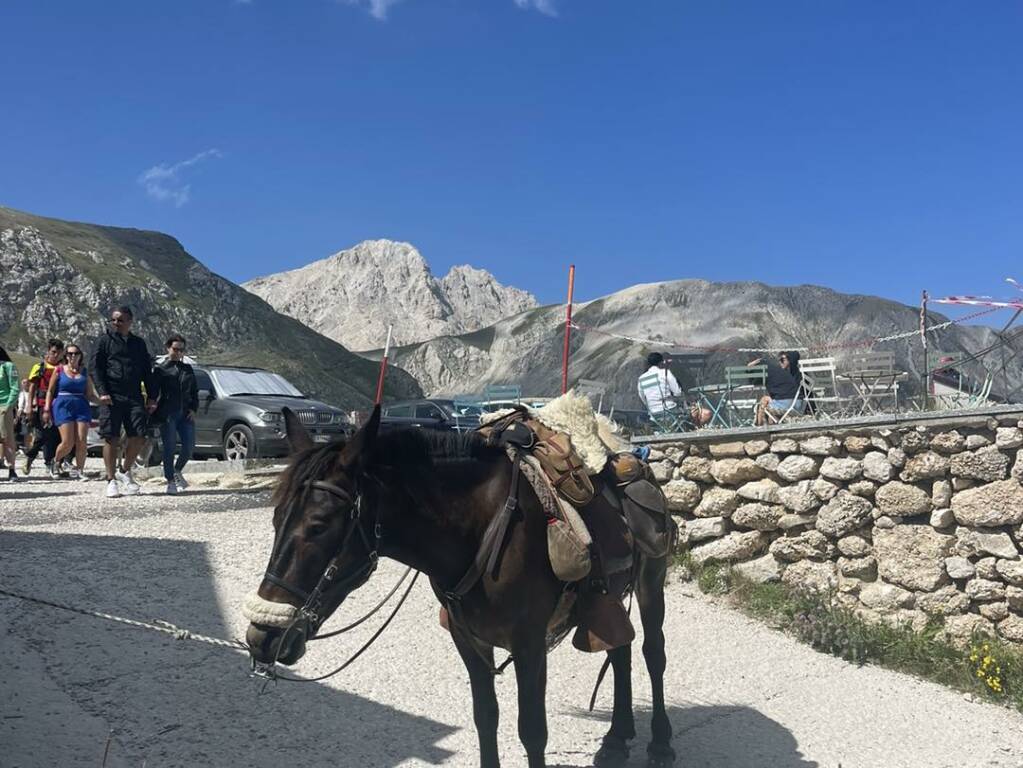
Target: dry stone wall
[(901, 523)]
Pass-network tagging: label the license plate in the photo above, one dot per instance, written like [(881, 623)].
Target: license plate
[(321, 438)]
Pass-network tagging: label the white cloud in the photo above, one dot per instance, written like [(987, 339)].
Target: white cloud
[(166, 183), (377, 8), (545, 7)]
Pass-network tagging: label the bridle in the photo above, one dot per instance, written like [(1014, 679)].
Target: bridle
[(313, 601)]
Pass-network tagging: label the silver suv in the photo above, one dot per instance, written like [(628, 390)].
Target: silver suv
[(240, 414)]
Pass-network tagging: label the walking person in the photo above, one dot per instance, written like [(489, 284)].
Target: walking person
[(120, 366), (67, 406), (179, 401), (21, 420), (45, 436), (8, 404)]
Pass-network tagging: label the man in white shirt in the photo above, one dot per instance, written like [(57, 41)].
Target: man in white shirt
[(665, 396)]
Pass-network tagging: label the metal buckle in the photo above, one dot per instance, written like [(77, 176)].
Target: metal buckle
[(330, 573)]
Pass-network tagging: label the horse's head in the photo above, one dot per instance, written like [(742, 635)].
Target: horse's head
[(325, 542)]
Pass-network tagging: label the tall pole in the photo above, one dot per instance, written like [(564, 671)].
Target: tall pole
[(568, 329), (923, 339), (383, 368)]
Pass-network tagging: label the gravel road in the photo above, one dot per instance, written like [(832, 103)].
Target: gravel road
[(739, 694)]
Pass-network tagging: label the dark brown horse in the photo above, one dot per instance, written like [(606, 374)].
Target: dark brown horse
[(426, 500)]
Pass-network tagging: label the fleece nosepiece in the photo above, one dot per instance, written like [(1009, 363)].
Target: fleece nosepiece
[(267, 613)]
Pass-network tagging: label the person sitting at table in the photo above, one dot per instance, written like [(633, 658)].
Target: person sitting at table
[(665, 399), (784, 385)]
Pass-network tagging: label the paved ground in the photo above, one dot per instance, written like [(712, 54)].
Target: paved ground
[(740, 695)]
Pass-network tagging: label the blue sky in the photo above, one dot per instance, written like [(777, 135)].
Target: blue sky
[(869, 146)]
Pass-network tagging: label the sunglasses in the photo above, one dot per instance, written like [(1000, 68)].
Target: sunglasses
[(177, 349), (74, 354), (119, 320)]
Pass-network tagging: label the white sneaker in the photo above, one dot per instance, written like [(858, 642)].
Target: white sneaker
[(113, 490), (180, 481), (128, 485), (172, 489), (53, 472), (74, 474)]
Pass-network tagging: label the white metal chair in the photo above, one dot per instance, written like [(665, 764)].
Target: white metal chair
[(821, 386)]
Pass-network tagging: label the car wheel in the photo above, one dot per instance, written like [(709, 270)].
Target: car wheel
[(239, 443)]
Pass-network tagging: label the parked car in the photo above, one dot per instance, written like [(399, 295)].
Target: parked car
[(429, 413)]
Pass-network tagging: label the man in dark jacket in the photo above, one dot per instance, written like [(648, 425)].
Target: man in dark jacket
[(179, 401), (120, 366)]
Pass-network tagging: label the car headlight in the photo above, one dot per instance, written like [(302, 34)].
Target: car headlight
[(339, 418), (270, 417)]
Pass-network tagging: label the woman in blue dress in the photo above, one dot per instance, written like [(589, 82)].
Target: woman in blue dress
[(67, 405)]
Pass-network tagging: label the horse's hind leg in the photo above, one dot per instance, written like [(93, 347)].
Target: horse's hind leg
[(650, 596), (484, 699), (614, 749)]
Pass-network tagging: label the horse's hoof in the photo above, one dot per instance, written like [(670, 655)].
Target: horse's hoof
[(660, 756), (613, 753)]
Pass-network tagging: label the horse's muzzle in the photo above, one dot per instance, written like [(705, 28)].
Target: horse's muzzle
[(274, 644)]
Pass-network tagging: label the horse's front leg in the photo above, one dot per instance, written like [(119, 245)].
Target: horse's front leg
[(614, 750), (650, 596), (485, 713), (531, 678)]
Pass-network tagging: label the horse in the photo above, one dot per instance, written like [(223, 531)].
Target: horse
[(426, 500)]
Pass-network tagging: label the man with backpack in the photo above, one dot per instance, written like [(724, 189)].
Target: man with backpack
[(47, 437)]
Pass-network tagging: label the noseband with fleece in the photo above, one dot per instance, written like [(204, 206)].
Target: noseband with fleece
[(268, 613)]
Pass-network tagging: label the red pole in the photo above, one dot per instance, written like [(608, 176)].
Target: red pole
[(383, 368), (568, 329)]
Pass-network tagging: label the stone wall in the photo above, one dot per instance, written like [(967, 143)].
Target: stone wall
[(903, 521)]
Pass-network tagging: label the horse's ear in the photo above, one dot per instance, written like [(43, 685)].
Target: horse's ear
[(362, 442), (298, 437)]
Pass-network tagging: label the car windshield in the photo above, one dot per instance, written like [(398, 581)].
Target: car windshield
[(231, 381)]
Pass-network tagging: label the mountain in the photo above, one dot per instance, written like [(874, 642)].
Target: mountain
[(355, 294), (526, 349), (61, 278)]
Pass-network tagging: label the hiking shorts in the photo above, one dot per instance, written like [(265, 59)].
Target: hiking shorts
[(122, 414)]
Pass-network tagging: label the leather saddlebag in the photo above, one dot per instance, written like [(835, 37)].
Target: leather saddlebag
[(646, 511), (562, 465)]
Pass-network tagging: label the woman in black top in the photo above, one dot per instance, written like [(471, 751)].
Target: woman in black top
[(784, 381), (179, 401)]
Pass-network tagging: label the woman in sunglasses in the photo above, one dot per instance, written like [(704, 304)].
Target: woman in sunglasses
[(784, 383), (67, 406)]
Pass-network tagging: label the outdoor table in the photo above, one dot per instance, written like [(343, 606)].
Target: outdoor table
[(873, 385), (715, 397)]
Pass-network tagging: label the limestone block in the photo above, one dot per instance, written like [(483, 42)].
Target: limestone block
[(736, 471), (810, 576), (962, 483), (1017, 467), (973, 442), (1011, 571), (983, 590), (789, 521), (674, 453), (914, 441), (821, 445), (856, 444), (717, 502), (961, 629), (800, 497), (994, 611), (885, 597), (959, 568), (682, 495), (843, 515), (1008, 437), (727, 450), (971, 542), (985, 464), (991, 505), (760, 490), (901, 499), (877, 467), (706, 528), (842, 470), (897, 457), (695, 468), (784, 445), (756, 447), (733, 548), (864, 568), (879, 443), (662, 470), (807, 545), (987, 569), (758, 516), (884, 521), (946, 601), (948, 442), (1014, 597), (941, 494), (942, 518), (825, 490), (925, 465), (912, 556), (794, 468), (854, 546), (768, 461), (762, 570), (864, 488), (1011, 628)]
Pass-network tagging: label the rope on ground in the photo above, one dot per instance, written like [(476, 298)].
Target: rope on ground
[(157, 625)]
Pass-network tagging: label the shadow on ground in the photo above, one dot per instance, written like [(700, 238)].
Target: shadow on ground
[(171, 703)]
